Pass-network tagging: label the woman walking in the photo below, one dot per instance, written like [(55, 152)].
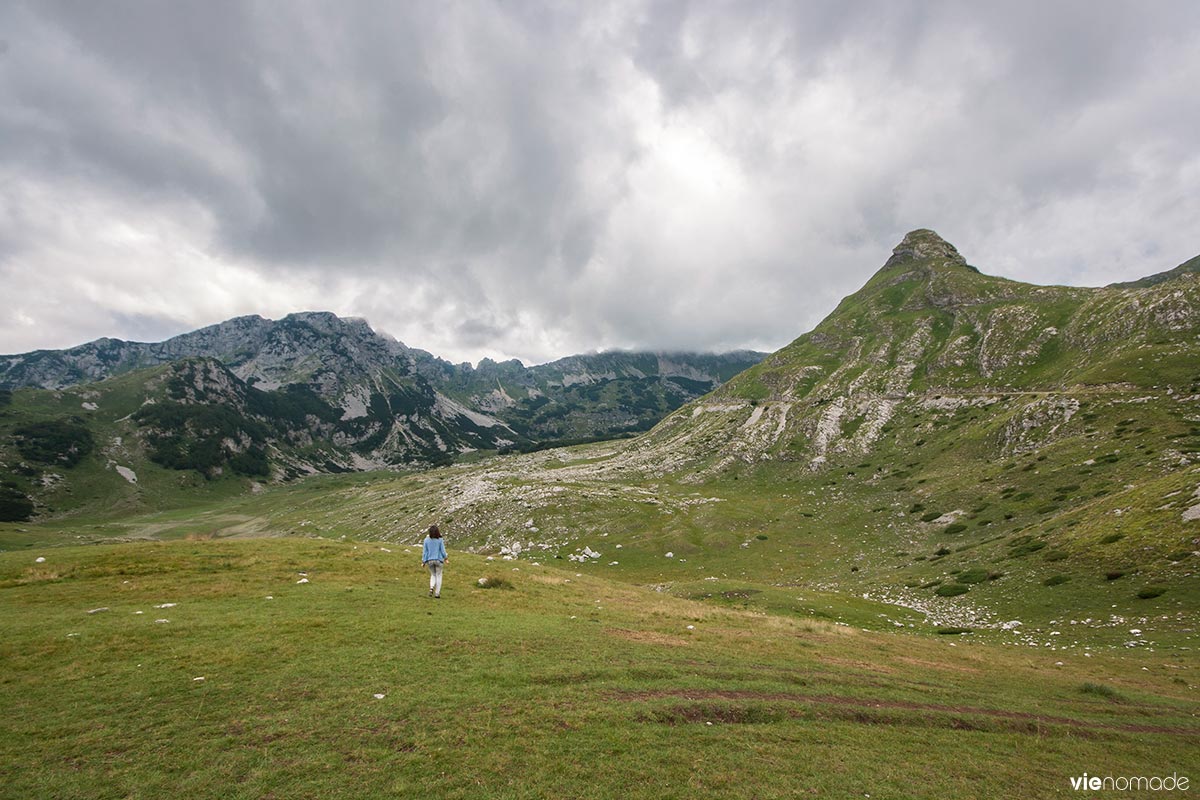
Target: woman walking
[(434, 556)]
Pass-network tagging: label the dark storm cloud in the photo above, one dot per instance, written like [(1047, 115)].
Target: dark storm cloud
[(532, 179)]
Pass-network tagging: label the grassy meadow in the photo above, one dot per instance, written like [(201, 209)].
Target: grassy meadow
[(213, 671)]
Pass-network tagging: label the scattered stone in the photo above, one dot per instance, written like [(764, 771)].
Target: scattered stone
[(302, 580), (98, 610), (40, 560), (379, 696), (161, 621), (166, 605), (669, 555), (199, 679)]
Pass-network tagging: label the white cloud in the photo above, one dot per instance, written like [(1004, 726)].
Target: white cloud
[(495, 180)]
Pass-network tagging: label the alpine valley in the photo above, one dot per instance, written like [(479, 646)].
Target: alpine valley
[(942, 437), (945, 544)]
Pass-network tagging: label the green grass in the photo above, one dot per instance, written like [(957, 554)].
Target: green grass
[(564, 685)]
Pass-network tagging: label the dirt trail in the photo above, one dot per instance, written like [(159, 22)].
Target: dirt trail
[(866, 704)]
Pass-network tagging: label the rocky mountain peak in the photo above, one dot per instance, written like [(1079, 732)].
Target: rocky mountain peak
[(924, 244)]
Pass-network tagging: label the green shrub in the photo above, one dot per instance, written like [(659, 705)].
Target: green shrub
[(943, 551), (1026, 548), (930, 516), (1112, 537), (1100, 689), (1056, 555), (14, 505), (60, 442), (1114, 574), (952, 589), (954, 631), (954, 527), (1150, 592), (973, 575), (1056, 580)]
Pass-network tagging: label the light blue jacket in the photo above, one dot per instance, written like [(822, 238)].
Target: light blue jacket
[(435, 550)]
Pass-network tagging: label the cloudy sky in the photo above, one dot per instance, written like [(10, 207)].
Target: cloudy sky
[(526, 179)]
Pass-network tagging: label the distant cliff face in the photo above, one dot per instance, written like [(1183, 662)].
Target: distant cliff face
[(316, 393)]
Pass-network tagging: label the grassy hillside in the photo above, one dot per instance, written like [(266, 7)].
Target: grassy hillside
[(212, 671)]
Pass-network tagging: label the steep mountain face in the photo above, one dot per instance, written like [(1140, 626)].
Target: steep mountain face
[(350, 366), (316, 393)]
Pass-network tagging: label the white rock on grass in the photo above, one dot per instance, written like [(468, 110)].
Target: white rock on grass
[(40, 560), (98, 610), (302, 580), (669, 555), (379, 696), (166, 605), (161, 621)]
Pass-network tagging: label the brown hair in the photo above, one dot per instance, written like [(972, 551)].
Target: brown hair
[(434, 533)]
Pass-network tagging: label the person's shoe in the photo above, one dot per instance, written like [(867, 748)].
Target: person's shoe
[(431, 592), (437, 597)]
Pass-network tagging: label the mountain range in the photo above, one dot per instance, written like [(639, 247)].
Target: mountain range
[(313, 392)]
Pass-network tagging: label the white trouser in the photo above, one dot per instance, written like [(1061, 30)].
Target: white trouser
[(435, 576)]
